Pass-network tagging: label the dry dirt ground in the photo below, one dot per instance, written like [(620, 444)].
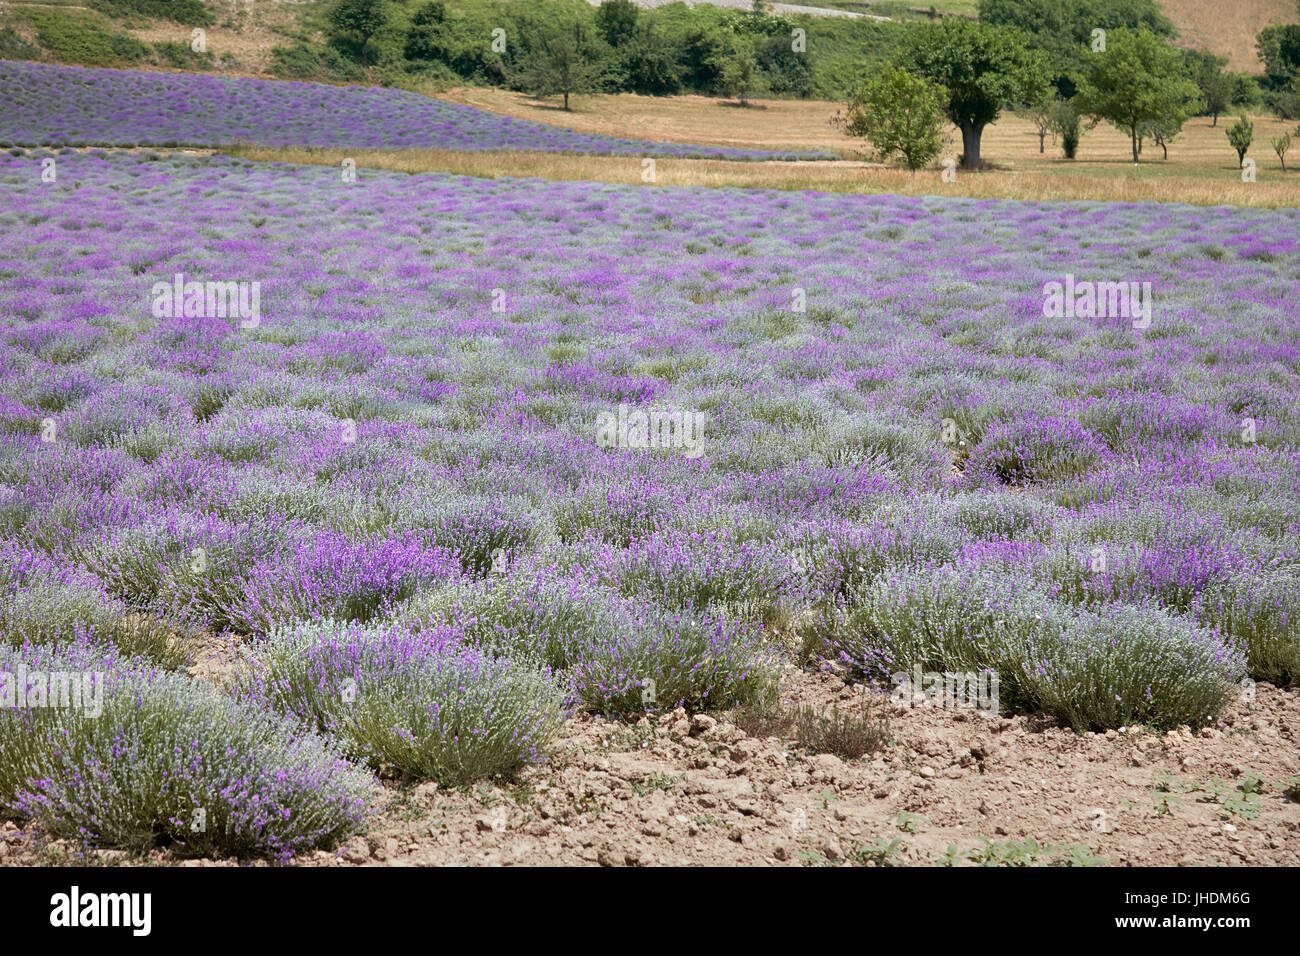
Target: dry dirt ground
[(949, 784), (245, 29)]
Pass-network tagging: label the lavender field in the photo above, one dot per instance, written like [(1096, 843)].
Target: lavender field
[(48, 104), (455, 458)]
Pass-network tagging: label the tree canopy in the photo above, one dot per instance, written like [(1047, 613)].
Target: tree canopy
[(981, 67), (1136, 82), (900, 114)]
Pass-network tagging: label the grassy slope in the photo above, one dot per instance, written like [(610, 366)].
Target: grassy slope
[(1228, 28)]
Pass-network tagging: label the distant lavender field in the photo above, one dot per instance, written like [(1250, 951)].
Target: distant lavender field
[(866, 438), (48, 105)]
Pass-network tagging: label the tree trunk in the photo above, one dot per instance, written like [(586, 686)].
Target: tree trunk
[(970, 144), (1216, 120), (1165, 146), (566, 99), (1042, 135), (1134, 132)]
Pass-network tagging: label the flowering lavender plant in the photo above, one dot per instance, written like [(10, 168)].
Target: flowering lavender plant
[(675, 660), (1092, 669), (44, 602), (169, 760), (1125, 666), (421, 703)]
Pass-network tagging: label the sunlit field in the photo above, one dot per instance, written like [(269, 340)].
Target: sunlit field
[(1201, 168), (397, 480)]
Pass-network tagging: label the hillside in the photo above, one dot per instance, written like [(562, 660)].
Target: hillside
[(1207, 25), (246, 34)]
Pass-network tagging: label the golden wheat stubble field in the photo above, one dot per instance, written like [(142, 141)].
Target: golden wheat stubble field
[(1201, 168)]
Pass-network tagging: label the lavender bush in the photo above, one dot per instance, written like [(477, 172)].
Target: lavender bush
[(672, 660), (1026, 451), (43, 602), (1127, 666), (421, 703), (549, 617), (1119, 665), (169, 760), (940, 619), (1262, 611)]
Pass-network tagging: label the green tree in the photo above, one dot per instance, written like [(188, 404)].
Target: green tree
[(1040, 114), (1066, 123), (1241, 134), (1216, 87), (1062, 29), (617, 20), (739, 75), (1161, 133), (1217, 95), (1137, 81), (1281, 144), (981, 67), (648, 64), (900, 114), (1245, 91), (562, 64), (425, 39), (785, 70), (354, 26), (1285, 101), (1278, 48), (1074, 20)]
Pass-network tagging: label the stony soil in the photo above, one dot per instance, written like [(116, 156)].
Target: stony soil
[(698, 791)]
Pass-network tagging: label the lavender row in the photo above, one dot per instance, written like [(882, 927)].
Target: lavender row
[(52, 105)]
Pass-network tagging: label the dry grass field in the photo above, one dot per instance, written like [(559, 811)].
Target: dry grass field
[(1201, 168), (1227, 29)]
